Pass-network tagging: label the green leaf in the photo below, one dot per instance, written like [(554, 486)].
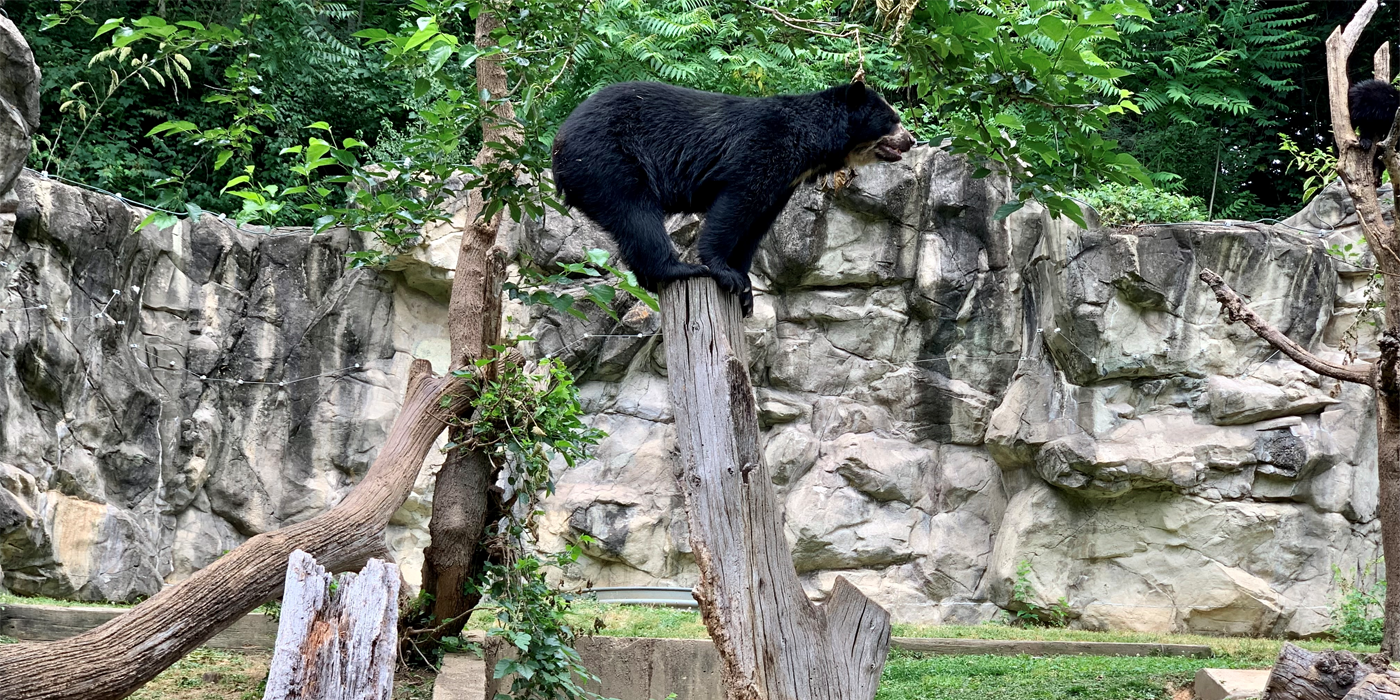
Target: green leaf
[(319, 125), (1008, 209), (1009, 120), (439, 55), (108, 26), (221, 159), (1052, 27)]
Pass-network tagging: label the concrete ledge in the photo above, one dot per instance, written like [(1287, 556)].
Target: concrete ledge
[(1016, 647), (1230, 684), (46, 623), (462, 677)]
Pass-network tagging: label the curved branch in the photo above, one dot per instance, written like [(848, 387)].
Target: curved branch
[(1232, 304), (115, 659)]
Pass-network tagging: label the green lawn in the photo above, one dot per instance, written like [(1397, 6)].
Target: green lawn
[(6, 597), (908, 676), (920, 677)]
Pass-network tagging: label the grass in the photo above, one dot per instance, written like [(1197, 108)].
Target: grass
[(220, 675), (210, 674), (916, 676), (12, 599), (919, 677)]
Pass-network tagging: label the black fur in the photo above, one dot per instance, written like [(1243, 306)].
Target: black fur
[(635, 152), (1372, 104)]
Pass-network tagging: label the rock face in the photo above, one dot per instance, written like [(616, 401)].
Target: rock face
[(168, 394), (944, 396)]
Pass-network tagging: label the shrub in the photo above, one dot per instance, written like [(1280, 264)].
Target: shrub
[(1024, 611), (1358, 615), (1127, 205)]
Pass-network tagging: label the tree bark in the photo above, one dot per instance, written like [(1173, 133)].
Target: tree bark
[(463, 499), (1300, 674), (337, 636), (1354, 167), (113, 660), (1377, 686), (775, 644)]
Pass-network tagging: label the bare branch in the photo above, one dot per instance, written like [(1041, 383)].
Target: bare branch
[(1339, 47), (1380, 63), (1235, 310)]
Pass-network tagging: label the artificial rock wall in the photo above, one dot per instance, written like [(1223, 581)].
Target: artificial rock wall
[(943, 396)]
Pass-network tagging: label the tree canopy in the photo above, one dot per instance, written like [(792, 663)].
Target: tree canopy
[(167, 101)]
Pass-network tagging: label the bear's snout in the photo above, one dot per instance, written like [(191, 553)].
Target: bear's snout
[(892, 147)]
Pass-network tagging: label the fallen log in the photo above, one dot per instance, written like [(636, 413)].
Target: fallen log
[(1300, 674), (1377, 686)]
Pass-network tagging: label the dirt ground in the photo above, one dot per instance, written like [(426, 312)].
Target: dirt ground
[(215, 674)]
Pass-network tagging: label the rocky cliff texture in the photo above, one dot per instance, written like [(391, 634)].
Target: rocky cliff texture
[(944, 396), (167, 394)]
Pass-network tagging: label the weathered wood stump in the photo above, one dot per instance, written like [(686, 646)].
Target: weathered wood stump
[(338, 636), (776, 645), (1300, 674)]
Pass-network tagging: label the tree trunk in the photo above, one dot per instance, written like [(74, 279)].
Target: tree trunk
[(776, 645), (111, 661), (337, 636), (1354, 166), (1300, 674), (463, 498)]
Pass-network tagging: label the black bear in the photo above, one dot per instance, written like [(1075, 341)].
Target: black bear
[(635, 152), (1372, 104)]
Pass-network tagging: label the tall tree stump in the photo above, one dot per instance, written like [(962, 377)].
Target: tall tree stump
[(338, 636), (776, 644)]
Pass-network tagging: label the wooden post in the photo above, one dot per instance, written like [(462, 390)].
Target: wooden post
[(776, 644), (337, 637)]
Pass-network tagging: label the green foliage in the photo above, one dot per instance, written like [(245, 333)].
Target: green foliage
[(523, 420), (1358, 614), (1023, 609), (731, 47), (305, 61), (1023, 85), (1212, 57), (531, 616), (1320, 164), (1213, 76), (536, 287), (1127, 205), (527, 418), (272, 609)]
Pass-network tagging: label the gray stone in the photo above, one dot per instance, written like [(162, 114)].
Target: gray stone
[(943, 395), (19, 103)]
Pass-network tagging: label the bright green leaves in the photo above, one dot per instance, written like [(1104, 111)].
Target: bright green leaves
[(1024, 86), (537, 287)]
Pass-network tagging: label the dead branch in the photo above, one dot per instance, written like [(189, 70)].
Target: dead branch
[(1236, 310)]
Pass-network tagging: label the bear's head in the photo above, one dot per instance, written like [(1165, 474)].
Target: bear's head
[(873, 130)]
